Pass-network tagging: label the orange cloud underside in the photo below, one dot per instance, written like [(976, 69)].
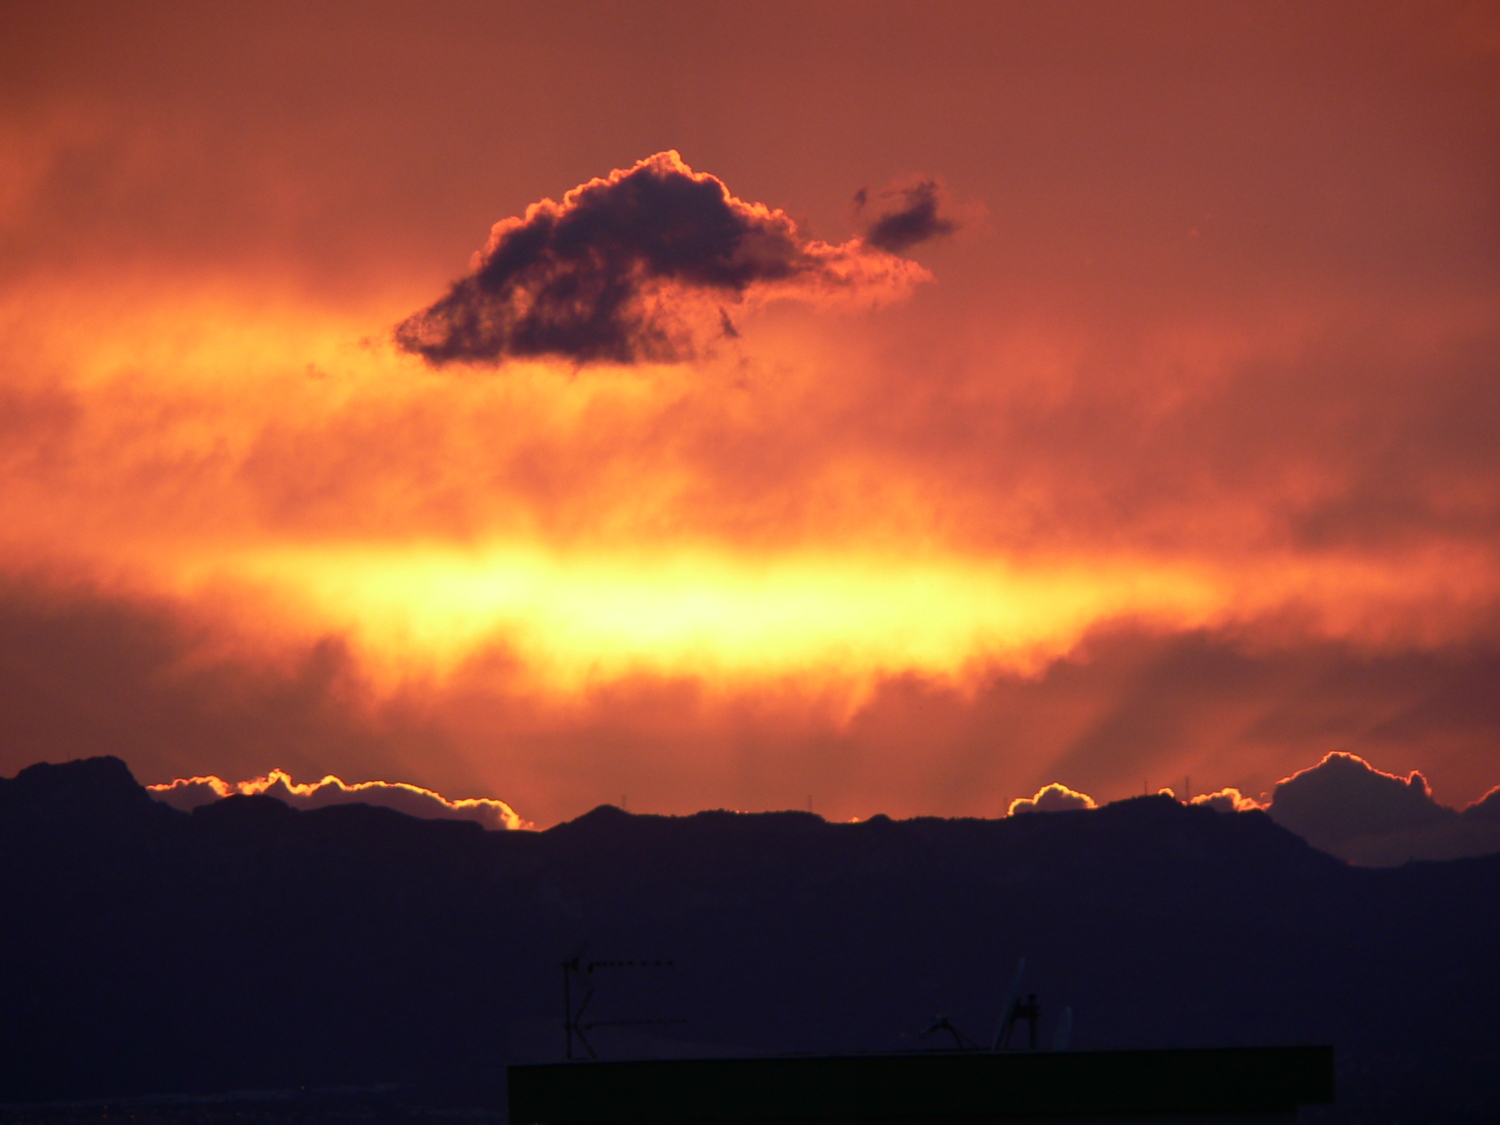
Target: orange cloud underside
[(280, 463)]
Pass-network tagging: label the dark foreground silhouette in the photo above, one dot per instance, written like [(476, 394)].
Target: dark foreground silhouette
[(363, 957)]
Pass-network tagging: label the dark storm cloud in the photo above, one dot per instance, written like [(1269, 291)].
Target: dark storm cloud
[(911, 215), (608, 275)]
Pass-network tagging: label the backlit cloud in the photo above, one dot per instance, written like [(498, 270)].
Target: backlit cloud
[(1227, 800), (1486, 810), (1051, 798), (1343, 797), (190, 792), (1346, 806), (623, 269)]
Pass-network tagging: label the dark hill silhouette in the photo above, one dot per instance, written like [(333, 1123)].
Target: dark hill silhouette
[(250, 946)]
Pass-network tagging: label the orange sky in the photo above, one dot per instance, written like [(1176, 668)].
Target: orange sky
[(1175, 457)]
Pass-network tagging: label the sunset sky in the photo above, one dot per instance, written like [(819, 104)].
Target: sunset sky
[(1161, 440)]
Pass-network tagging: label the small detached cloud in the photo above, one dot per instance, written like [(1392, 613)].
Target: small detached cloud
[(1051, 798), (1346, 806), (638, 267), (188, 793), (905, 215)]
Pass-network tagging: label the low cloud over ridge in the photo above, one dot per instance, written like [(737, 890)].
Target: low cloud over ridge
[(413, 800), (1227, 800), (627, 268), (1051, 798), (1346, 806)]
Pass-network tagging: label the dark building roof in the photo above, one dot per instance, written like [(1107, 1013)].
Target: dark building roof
[(971, 1086)]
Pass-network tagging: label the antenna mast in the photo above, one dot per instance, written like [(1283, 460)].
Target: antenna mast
[(574, 1027), (1014, 1010)]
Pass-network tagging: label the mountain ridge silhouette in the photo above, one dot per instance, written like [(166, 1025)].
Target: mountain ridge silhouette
[(249, 945)]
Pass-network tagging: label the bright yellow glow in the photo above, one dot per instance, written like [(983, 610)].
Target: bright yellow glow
[(576, 620), (282, 461)]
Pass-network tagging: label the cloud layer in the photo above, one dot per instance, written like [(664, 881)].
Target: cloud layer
[(190, 792), (623, 267)]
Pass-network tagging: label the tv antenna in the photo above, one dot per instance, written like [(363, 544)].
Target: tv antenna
[(1014, 1010), (578, 974), (961, 1042)]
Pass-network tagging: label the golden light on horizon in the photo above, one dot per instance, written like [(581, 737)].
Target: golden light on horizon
[(571, 621)]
